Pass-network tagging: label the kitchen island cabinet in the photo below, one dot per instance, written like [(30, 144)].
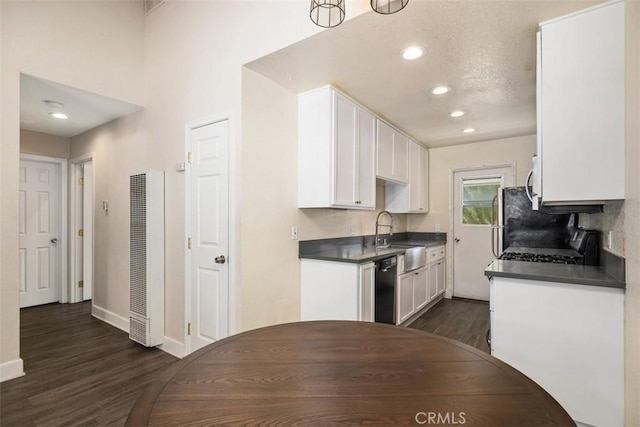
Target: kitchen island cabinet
[(568, 338), (336, 151), (581, 115), (337, 290)]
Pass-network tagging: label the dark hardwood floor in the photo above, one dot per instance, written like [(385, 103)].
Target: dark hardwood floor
[(460, 319), (80, 371), (83, 372)]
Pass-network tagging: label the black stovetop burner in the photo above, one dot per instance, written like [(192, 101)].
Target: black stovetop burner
[(546, 258)]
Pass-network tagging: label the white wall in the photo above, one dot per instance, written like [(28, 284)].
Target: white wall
[(43, 144), (194, 52), (72, 43)]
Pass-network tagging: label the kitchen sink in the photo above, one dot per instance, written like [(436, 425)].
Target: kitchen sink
[(415, 257)]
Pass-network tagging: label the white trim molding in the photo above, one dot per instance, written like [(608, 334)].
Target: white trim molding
[(11, 370), (169, 345), (173, 347), (110, 317)]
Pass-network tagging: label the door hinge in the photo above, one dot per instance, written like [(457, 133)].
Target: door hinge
[(81, 232), (189, 157), (189, 328), (81, 284), (81, 181), (189, 243)]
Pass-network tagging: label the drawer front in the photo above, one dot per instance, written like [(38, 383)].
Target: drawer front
[(436, 254)]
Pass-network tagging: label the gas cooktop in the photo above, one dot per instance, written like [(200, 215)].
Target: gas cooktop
[(543, 255)]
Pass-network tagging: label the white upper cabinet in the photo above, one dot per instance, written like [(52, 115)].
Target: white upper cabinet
[(393, 154), (336, 151), (581, 106), (412, 198)]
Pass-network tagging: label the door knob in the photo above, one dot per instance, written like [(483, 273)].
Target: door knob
[(54, 241), (220, 259), (456, 240)]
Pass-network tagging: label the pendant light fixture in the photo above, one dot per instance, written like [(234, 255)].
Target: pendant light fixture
[(327, 13), (330, 13), (387, 7)]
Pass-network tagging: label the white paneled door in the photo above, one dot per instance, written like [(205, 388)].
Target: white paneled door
[(473, 193), (209, 234), (39, 232)]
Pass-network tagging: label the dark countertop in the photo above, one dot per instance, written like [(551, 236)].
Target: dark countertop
[(549, 272), (361, 249)]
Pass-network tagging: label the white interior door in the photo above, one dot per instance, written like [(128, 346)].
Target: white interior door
[(39, 232), (87, 226), (473, 192), (209, 234)]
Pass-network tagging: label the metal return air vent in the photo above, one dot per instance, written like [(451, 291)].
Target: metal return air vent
[(146, 258)]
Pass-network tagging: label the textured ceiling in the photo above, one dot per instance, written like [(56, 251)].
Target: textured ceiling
[(484, 50)]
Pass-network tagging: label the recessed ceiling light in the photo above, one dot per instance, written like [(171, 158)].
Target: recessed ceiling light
[(58, 115), (440, 90), (412, 52), (457, 113), (469, 130)]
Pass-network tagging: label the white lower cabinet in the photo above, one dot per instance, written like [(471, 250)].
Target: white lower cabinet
[(441, 277), (436, 279), (416, 289), (336, 290), (436, 257), (412, 292), (568, 338), (404, 294)]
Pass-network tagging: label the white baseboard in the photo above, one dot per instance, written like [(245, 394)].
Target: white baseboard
[(173, 347), (169, 345), (11, 369), (110, 317)]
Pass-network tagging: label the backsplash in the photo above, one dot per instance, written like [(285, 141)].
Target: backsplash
[(612, 219)]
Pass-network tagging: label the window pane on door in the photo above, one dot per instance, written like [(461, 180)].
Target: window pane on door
[(477, 200)]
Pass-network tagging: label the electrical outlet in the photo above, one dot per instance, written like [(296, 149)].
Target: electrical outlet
[(294, 233), (437, 227), (351, 230)]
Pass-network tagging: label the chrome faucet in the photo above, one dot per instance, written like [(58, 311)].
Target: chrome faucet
[(378, 225)]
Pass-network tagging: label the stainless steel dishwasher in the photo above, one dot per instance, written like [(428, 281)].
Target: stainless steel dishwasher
[(385, 302)]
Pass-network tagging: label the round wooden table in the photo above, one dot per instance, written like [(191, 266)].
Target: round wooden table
[(343, 373)]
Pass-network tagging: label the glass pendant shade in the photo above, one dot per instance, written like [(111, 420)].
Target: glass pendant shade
[(327, 13), (387, 7)]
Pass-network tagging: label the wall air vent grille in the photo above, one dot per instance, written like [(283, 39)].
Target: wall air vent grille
[(146, 258), (138, 244), (151, 5), (137, 330)]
